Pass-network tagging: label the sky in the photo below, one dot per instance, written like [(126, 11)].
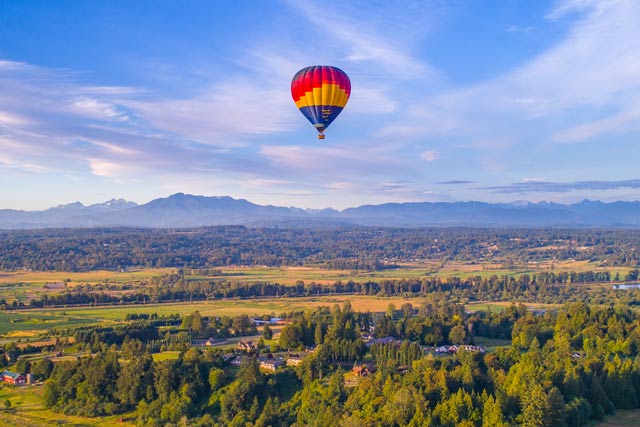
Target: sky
[(451, 100)]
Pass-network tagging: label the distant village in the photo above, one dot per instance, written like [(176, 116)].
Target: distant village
[(273, 361)]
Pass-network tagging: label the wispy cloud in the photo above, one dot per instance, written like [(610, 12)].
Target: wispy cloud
[(520, 29), (429, 155), (51, 117), (455, 182), (337, 161), (364, 41), (225, 115), (588, 83), (530, 186)]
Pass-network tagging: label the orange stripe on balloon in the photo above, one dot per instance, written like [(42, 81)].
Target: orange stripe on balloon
[(316, 96)]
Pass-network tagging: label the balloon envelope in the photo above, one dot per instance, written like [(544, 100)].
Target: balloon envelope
[(320, 93)]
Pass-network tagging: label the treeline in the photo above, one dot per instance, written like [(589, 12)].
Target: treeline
[(564, 369), (544, 287), (362, 248)]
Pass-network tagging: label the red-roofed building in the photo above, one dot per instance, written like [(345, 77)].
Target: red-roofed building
[(13, 378)]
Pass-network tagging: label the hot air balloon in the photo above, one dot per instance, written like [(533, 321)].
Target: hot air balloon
[(320, 93)]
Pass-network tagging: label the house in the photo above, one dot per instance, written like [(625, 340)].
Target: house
[(473, 348), (442, 349), (208, 342), (272, 321), (271, 364), (228, 357), (13, 378), (361, 370), (402, 369), (246, 346), (237, 361)]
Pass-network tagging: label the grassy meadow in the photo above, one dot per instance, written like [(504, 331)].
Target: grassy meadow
[(291, 275), (620, 419), (26, 285), (27, 410)]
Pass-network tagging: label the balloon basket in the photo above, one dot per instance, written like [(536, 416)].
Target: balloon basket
[(320, 136)]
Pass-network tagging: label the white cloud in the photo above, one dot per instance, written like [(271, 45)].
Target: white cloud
[(224, 115), (429, 155), (110, 169), (50, 117), (98, 109), (593, 70), (368, 40), (335, 161), (519, 29)]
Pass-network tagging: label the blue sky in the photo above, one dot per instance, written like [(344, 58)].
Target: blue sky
[(451, 101)]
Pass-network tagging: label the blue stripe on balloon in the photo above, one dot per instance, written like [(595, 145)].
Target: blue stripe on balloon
[(321, 114)]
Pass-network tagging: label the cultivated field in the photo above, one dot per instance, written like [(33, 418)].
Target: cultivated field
[(26, 285), (291, 275)]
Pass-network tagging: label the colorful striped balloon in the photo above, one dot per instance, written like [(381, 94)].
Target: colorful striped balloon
[(320, 92)]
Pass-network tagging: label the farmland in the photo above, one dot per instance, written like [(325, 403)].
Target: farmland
[(26, 285), (169, 309)]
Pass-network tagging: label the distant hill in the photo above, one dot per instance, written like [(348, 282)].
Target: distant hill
[(184, 210)]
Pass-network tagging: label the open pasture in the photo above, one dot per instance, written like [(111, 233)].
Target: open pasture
[(413, 270), (497, 306), (91, 277), (28, 324), (60, 317), (621, 419), (28, 410), (24, 285), (250, 307)]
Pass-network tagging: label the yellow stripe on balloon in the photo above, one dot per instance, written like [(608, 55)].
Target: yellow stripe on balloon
[(328, 94)]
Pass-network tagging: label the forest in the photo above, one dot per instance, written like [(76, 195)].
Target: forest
[(563, 368), (364, 248)]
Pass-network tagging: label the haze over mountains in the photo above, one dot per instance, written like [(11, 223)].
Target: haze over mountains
[(183, 210)]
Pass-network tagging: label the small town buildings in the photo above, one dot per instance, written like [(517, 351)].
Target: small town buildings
[(228, 357), (271, 365), (472, 348), (208, 342), (237, 361), (272, 321), (13, 378), (361, 370), (442, 349), (246, 346)]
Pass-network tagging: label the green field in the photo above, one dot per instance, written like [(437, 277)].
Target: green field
[(41, 278), (14, 324), (32, 325), (290, 275), (166, 355), (621, 419), (502, 305), (24, 286), (27, 410), (491, 344)]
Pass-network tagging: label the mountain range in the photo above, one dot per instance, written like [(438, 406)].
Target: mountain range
[(184, 210)]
